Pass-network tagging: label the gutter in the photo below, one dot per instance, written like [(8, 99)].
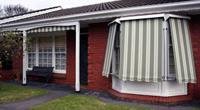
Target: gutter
[(140, 10)]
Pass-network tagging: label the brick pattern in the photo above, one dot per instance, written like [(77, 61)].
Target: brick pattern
[(97, 40), (150, 99), (70, 75), (16, 71), (195, 38)]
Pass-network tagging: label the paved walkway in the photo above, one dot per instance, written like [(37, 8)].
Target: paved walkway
[(26, 104), (59, 90)]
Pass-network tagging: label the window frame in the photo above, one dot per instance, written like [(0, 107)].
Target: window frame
[(59, 71)]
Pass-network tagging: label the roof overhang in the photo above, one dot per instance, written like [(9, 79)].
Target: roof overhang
[(140, 10), (34, 13)]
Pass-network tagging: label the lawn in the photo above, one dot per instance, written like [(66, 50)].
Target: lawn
[(81, 102), (12, 93)]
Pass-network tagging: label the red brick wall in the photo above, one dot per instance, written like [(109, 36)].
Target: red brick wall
[(97, 41), (69, 77), (195, 37), (15, 72)]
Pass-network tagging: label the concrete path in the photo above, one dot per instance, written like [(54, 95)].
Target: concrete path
[(27, 104)]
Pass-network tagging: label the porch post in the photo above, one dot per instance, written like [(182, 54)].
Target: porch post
[(24, 58), (77, 79)]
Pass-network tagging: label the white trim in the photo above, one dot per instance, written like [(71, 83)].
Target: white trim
[(166, 16), (59, 71), (77, 71), (54, 71), (37, 53), (138, 10), (25, 65), (163, 89), (53, 53), (166, 49)]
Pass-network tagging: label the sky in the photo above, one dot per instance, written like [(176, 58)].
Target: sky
[(40, 4)]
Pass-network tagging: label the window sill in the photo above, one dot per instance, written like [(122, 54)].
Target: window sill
[(55, 71), (164, 89)]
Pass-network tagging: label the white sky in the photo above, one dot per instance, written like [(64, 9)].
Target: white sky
[(39, 4)]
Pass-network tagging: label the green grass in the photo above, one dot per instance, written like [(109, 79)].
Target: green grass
[(81, 102), (12, 93)]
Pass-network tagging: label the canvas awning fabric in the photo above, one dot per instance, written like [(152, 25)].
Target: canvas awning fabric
[(50, 29), (142, 58), (16, 32), (109, 49), (141, 44), (184, 62)]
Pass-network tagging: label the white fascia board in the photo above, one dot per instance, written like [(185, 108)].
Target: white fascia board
[(29, 15), (140, 10)]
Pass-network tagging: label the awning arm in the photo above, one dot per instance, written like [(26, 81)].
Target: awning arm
[(115, 21)]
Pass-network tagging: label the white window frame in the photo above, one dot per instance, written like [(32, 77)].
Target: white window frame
[(53, 55)]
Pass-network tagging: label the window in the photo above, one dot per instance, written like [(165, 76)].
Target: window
[(45, 51), (171, 74), (48, 52), (116, 58), (32, 54), (60, 53)]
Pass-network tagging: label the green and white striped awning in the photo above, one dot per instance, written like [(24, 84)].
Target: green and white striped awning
[(184, 62), (16, 32), (50, 29), (141, 50), (142, 55), (109, 49)]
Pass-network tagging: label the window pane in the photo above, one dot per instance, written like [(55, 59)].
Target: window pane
[(31, 59), (31, 52), (45, 51), (172, 74), (60, 53)]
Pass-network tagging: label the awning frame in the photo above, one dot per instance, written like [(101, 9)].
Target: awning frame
[(165, 16)]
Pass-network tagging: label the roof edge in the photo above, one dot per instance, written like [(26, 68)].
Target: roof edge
[(176, 6)]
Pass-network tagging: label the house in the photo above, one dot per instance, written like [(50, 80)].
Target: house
[(133, 49)]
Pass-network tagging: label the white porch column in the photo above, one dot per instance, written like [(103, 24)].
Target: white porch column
[(77, 79), (24, 58)]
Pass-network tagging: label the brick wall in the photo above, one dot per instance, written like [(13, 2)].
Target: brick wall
[(70, 75), (195, 38), (97, 41), (15, 72)]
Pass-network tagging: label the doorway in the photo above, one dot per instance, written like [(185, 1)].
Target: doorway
[(84, 59)]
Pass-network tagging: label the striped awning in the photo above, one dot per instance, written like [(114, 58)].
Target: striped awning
[(109, 49), (16, 32), (184, 62), (141, 50), (50, 29)]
